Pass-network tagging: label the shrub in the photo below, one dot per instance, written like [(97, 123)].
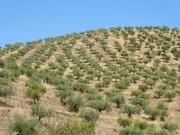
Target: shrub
[(99, 86), (2, 63), (23, 126), (162, 86), (122, 84), (150, 82), (136, 93), (133, 62), (89, 114), (124, 122), (162, 110), (106, 80), (141, 124), (41, 111), (35, 91), (74, 103), (151, 112), (100, 105), (64, 94), (170, 95), (77, 73), (143, 87), (164, 68), (6, 89), (159, 92), (93, 96), (118, 99), (157, 132), (135, 78), (74, 128), (130, 110), (80, 87), (140, 102), (64, 87), (6, 74), (166, 58), (170, 126), (130, 131)]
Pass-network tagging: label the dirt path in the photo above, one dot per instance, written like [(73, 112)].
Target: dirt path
[(107, 123)]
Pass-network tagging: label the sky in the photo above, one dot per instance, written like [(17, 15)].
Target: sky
[(28, 20)]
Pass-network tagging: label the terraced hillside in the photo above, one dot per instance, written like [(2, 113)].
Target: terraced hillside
[(104, 82)]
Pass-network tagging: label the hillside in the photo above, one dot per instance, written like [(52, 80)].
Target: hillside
[(119, 80)]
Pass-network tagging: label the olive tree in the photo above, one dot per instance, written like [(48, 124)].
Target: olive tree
[(151, 112), (41, 111), (130, 110), (74, 103), (169, 95), (89, 114), (34, 91), (162, 110), (24, 126), (124, 122)]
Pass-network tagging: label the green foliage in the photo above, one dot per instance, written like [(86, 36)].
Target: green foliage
[(41, 111), (133, 62), (164, 68), (124, 122), (151, 112), (169, 95), (130, 131), (170, 126), (6, 88), (7, 74), (93, 96), (106, 80), (140, 102), (140, 94), (24, 126), (111, 72), (162, 110), (63, 94), (122, 84), (100, 105), (89, 114), (135, 78), (34, 91), (130, 110), (80, 87), (119, 99), (150, 82), (143, 87), (166, 57), (157, 132), (74, 128), (77, 73), (2, 63), (159, 92), (142, 125), (74, 103), (99, 86)]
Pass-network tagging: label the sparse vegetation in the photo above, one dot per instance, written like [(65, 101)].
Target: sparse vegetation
[(93, 76)]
